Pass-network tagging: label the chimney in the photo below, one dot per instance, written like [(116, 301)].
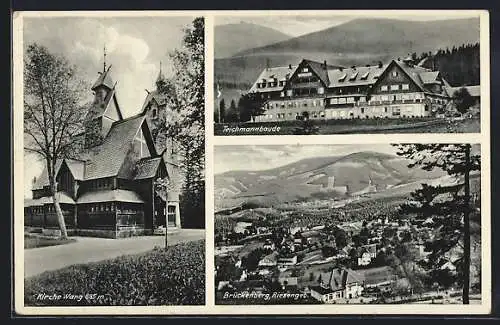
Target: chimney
[(267, 64), (290, 66), (324, 65), (380, 64), (353, 67)]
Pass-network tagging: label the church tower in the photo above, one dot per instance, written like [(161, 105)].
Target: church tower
[(159, 111), (104, 109)]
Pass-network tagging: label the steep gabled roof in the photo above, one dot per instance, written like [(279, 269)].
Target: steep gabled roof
[(280, 73), (98, 109), (76, 167), (147, 168), (160, 99), (320, 70), (104, 79), (105, 160), (43, 179)]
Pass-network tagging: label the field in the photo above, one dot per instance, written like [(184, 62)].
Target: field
[(35, 242), (173, 276), (402, 125)]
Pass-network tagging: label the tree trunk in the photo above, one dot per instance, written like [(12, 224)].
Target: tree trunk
[(466, 258), (60, 216), (57, 207)]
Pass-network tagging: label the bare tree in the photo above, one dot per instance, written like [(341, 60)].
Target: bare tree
[(52, 113)]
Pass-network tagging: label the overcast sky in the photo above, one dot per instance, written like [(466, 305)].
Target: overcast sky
[(262, 157), (134, 45), (304, 24)]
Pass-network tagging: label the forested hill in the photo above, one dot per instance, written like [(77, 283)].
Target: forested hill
[(458, 65)]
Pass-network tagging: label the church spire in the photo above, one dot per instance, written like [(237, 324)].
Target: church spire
[(104, 61), (160, 80)]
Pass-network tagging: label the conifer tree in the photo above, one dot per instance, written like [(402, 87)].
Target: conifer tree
[(449, 206)]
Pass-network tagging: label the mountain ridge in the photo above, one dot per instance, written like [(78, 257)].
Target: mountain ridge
[(357, 42), (379, 32), (335, 176), (236, 37)]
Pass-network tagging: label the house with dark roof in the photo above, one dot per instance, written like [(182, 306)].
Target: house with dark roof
[(321, 91), (110, 188), (338, 284)]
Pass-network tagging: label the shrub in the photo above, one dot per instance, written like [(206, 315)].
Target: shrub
[(172, 276)]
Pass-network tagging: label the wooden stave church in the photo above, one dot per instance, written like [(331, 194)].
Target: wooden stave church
[(108, 191)]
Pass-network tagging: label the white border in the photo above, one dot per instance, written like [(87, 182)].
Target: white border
[(483, 138)]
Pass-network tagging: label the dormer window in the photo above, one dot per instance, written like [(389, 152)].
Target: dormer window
[(353, 76), (365, 75), (342, 78)]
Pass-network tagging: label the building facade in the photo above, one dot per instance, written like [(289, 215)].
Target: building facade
[(338, 284), (111, 189), (320, 91)]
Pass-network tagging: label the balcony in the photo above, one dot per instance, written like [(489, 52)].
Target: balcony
[(343, 105), (389, 102)]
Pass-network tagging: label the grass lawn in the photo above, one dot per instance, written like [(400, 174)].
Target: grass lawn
[(401, 125), (171, 276), (35, 242)]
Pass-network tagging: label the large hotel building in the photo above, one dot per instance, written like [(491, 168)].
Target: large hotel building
[(399, 88)]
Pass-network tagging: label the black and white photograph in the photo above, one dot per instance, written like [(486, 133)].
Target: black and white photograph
[(347, 73), (113, 159), (348, 224), (213, 162)]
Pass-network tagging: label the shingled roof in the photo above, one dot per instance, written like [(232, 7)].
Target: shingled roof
[(104, 79), (338, 278), (147, 167), (321, 70), (97, 109), (366, 75), (43, 179), (106, 159), (160, 99), (278, 73), (77, 168), (109, 196), (62, 196)]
